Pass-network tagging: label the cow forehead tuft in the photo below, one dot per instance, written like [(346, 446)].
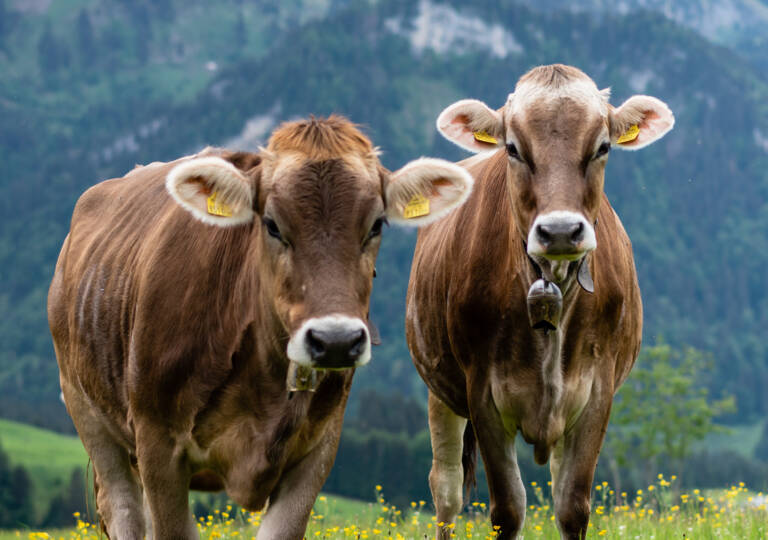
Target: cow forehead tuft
[(321, 138), (553, 75), (287, 168), (544, 89)]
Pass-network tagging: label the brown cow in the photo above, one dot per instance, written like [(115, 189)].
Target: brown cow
[(504, 321), (184, 293)]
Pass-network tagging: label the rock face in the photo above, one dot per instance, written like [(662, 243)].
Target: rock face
[(741, 25)]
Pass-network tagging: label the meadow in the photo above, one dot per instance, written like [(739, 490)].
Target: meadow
[(659, 512)]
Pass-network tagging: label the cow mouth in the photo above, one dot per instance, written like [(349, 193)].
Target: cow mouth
[(569, 256), (555, 270)]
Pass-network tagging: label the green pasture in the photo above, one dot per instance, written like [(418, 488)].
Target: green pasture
[(660, 511)]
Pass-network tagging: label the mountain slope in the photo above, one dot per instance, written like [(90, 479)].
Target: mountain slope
[(740, 25), (694, 204)]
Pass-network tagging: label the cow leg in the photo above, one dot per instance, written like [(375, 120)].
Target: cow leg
[(292, 499), (505, 484), (446, 432), (572, 465), (165, 477), (118, 493)]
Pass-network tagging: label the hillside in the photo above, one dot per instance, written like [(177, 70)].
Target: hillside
[(694, 204), (49, 458), (737, 24)]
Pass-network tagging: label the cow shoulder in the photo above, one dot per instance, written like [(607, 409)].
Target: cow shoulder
[(617, 306)]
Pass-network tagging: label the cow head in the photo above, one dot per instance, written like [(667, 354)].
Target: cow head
[(317, 199), (557, 129)]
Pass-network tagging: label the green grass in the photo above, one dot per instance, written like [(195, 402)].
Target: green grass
[(662, 512), (659, 513)]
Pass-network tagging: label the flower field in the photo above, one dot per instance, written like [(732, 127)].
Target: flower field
[(659, 512)]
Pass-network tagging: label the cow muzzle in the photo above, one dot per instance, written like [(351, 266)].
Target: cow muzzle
[(561, 236), (331, 342)]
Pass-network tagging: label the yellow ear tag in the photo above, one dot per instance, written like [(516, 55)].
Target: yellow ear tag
[(416, 207), (218, 208), (482, 136), (629, 135)]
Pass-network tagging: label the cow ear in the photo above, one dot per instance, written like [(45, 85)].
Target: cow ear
[(472, 125), (213, 190), (425, 190), (640, 121)]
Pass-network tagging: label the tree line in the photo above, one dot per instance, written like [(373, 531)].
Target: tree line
[(660, 417), (18, 506)]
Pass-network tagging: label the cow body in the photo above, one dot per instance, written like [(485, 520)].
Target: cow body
[(176, 334), (473, 274)]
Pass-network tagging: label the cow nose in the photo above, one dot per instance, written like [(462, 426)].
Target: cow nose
[(331, 342), (560, 237), (336, 348)]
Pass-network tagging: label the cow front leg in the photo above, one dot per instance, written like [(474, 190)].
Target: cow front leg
[(446, 432), (505, 485), (572, 465), (165, 477), (117, 490), (290, 503)]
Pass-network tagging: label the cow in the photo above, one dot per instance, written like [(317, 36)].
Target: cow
[(207, 316), (523, 307)]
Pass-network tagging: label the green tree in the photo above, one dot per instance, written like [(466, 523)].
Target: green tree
[(662, 410), (142, 34), (4, 26), (15, 494), (390, 412), (71, 499), (240, 33), (52, 53), (761, 450), (86, 42)]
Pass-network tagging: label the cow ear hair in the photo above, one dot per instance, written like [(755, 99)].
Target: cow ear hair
[(250, 164), (213, 190), (473, 125), (640, 121), (425, 190)]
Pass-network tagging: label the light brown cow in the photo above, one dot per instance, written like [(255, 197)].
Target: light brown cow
[(505, 323), (184, 293)]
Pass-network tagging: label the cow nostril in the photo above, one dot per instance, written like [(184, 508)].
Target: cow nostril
[(544, 236), (578, 233), (357, 344), (316, 346)]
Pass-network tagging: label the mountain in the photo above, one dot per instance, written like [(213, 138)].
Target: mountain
[(694, 204), (741, 25)]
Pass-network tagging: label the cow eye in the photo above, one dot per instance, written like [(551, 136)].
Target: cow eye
[(272, 229), (512, 151), (603, 149), (376, 228)]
